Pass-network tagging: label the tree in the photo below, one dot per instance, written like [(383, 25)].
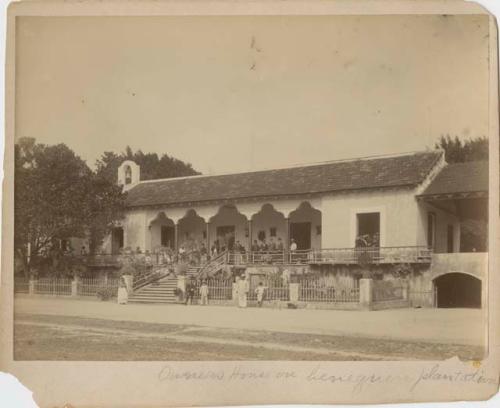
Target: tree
[(56, 197), (458, 151), (152, 166)]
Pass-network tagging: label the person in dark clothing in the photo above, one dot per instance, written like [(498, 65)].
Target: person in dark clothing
[(190, 291)]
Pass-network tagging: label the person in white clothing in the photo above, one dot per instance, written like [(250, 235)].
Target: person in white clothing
[(243, 289)]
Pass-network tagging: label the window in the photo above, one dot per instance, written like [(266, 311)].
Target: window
[(261, 235), (272, 231), (318, 229), (128, 175), (431, 229), (368, 233)]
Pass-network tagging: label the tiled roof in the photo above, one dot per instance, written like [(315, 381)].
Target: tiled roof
[(469, 177), (371, 173)]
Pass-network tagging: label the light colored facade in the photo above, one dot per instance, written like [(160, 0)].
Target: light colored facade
[(333, 218), (388, 200)]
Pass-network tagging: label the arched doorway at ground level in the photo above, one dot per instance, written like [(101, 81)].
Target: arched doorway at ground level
[(457, 290)]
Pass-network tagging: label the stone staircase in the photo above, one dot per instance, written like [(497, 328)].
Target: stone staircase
[(193, 272), (162, 291)]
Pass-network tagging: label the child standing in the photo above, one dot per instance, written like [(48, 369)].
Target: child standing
[(260, 293)]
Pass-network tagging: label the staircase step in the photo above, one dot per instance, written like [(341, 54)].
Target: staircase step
[(147, 295), (161, 291)]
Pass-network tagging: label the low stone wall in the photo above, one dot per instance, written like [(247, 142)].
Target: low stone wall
[(389, 304), (421, 299), (329, 306)]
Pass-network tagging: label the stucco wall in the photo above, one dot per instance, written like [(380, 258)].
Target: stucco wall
[(398, 217), (135, 230), (443, 219), (403, 221)]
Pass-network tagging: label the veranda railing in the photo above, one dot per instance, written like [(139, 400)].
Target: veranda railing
[(367, 255)]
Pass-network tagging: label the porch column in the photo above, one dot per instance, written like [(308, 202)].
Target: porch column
[(287, 256), (250, 234), (176, 237), (287, 239), (207, 226)]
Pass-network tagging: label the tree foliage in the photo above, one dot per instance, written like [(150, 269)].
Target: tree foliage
[(56, 197), (459, 151), (152, 165)]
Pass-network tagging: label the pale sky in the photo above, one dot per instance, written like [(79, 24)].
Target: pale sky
[(231, 94)]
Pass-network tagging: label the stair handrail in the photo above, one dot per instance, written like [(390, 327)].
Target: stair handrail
[(151, 277), (214, 263)]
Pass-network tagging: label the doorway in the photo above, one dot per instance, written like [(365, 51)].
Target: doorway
[(226, 236), (167, 236), (369, 228), (116, 240), (301, 233), (457, 290)]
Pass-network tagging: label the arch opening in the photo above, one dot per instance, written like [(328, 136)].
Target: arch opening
[(305, 226), (162, 232), (457, 290)]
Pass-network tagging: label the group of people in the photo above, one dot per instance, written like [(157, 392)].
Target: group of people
[(243, 288), (368, 240), (191, 289), (263, 246), (242, 291)]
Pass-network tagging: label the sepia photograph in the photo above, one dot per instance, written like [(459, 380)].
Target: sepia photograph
[(290, 191), (252, 188)]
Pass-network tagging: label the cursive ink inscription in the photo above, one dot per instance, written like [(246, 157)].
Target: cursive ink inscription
[(358, 380), (238, 373), (167, 373), (437, 373)]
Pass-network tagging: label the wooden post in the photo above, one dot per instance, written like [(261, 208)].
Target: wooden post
[(176, 238), (207, 224), (287, 238), (250, 235)]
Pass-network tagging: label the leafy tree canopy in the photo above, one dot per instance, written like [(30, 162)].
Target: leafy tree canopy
[(152, 166), (459, 151), (56, 197)]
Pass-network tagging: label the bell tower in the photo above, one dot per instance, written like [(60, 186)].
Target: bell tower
[(129, 174)]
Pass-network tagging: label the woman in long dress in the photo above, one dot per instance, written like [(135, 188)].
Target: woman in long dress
[(122, 292), (243, 289)]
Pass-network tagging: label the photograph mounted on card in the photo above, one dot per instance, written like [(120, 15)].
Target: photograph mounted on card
[(227, 195)]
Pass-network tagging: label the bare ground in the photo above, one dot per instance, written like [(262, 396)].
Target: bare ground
[(51, 337)]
